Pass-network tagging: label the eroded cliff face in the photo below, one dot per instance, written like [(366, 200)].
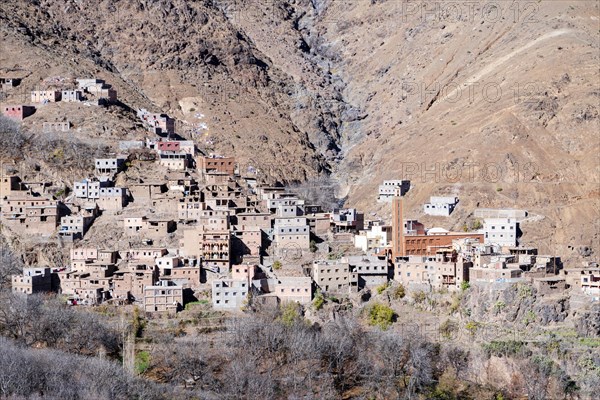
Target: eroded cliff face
[(494, 102)]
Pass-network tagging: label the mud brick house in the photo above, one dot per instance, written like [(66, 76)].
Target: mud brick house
[(152, 228), (294, 289), (98, 88), (246, 242), (214, 163), (18, 112), (182, 182), (112, 198), (31, 215), (56, 126), (9, 185), (32, 280), (164, 297), (210, 246), (128, 283), (144, 192)]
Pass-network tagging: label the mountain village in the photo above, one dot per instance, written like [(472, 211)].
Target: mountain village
[(202, 227)]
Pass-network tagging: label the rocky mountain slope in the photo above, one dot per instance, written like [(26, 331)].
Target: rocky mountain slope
[(496, 102)]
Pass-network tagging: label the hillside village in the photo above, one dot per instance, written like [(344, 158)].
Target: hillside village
[(179, 225)]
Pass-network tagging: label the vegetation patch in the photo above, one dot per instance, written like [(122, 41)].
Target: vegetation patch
[(381, 316)]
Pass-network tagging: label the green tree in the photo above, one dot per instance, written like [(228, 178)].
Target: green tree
[(381, 315)]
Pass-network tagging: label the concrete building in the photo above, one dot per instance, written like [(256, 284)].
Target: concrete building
[(229, 294), (71, 95), (482, 213), (500, 231), (332, 276), (347, 220), (32, 280), (109, 166), (388, 189), (74, 227), (18, 112), (440, 206), (164, 297), (45, 96), (88, 189), (590, 285), (368, 271), (374, 239), (291, 234), (173, 160)]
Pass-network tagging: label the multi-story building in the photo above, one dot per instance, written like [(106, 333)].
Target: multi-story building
[(590, 285), (347, 220), (291, 234), (32, 215), (332, 276), (294, 289), (440, 206), (165, 296), (112, 198), (500, 231), (229, 294), (388, 189), (32, 280), (9, 186), (88, 189), (173, 160), (216, 163), (212, 247), (368, 271), (74, 227), (374, 239), (109, 166)]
